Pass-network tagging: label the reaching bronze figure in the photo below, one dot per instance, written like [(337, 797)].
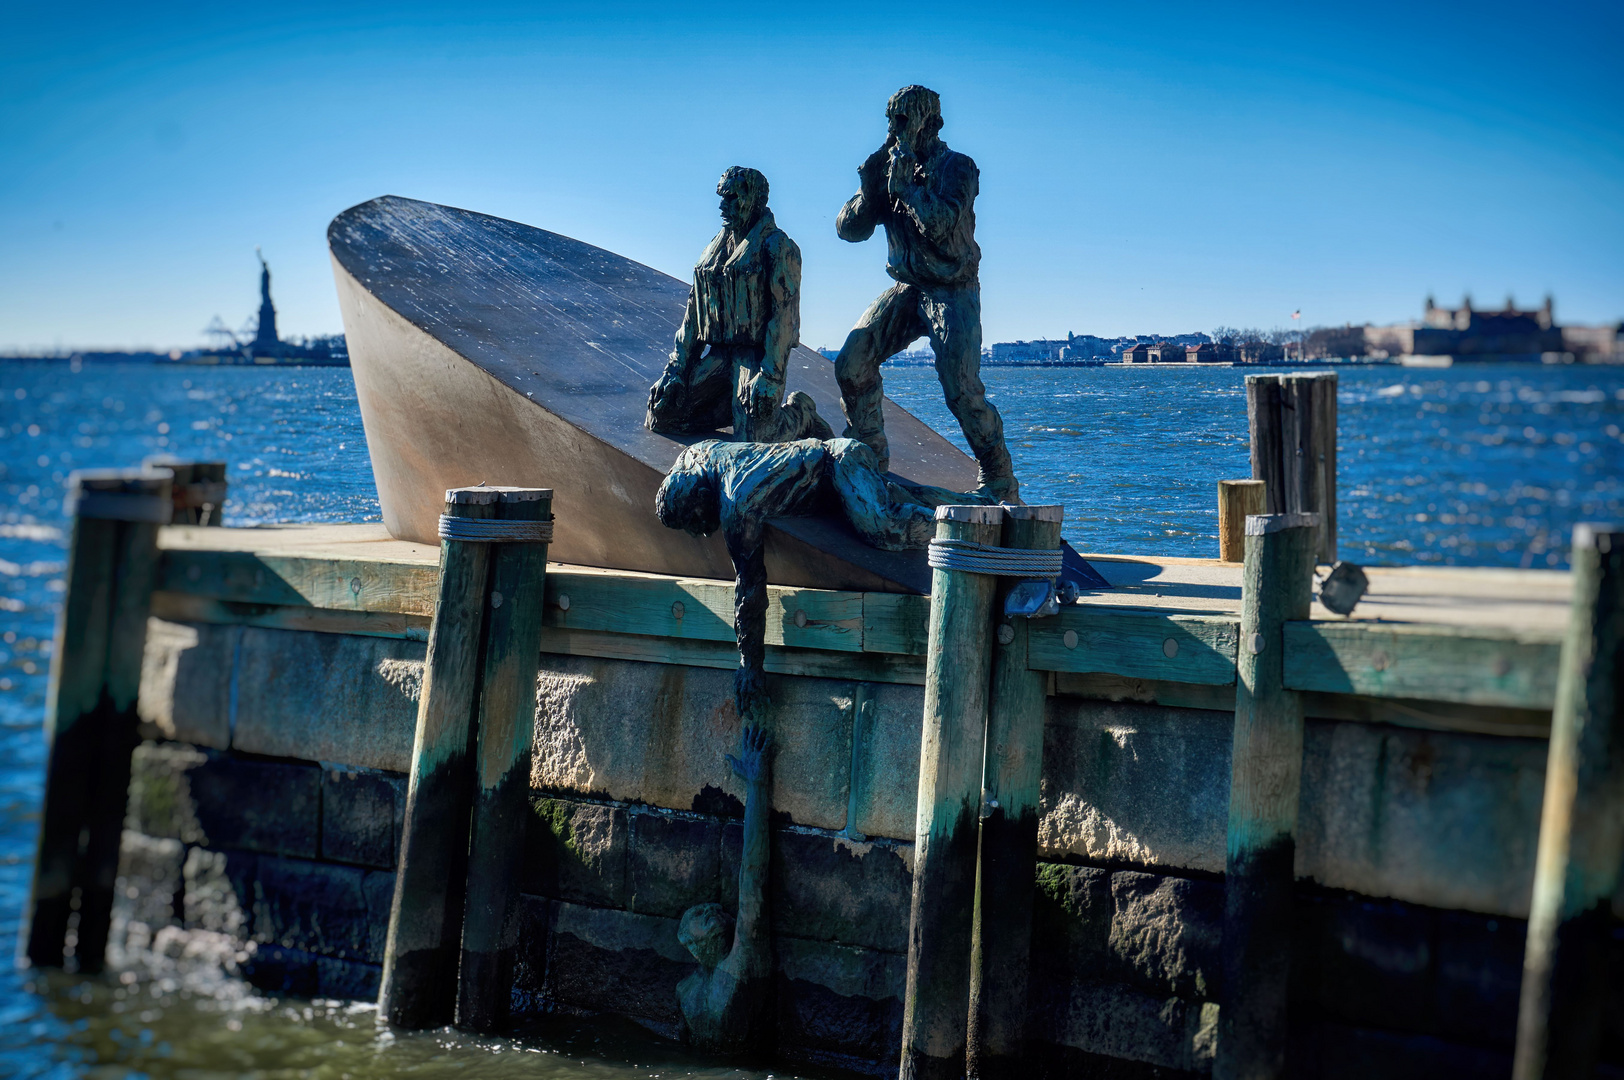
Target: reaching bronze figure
[(723, 1003), (742, 321), (738, 487), (924, 194)]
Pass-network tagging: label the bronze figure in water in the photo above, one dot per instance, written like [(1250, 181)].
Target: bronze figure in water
[(723, 1002)]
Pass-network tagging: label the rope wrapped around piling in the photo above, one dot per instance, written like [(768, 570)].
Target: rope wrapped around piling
[(495, 531), (974, 558)]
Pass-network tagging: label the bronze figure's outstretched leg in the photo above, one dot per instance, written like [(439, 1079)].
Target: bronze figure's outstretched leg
[(724, 1003), (954, 318), (888, 326)]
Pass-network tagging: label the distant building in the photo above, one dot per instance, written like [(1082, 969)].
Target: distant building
[(1136, 353), (1260, 352), (1211, 352), (1165, 352), (1026, 352)]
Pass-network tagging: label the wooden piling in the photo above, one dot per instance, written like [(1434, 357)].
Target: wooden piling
[(1237, 501), (198, 489), (1265, 778), (1007, 869), (935, 1019), (419, 987), (90, 710), (507, 711), (1581, 835), (1292, 422)]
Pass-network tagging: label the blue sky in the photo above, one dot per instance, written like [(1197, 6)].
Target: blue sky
[(1144, 168)]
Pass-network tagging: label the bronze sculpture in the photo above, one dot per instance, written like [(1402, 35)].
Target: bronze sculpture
[(727, 365), (723, 1002), (924, 194), (737, 487)]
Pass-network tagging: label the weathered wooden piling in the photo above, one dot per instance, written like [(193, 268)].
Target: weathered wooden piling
[(1292, 420), (1265, 779), (958, 665), (507, 712), (198, 490), (90, 709), (425, 918), (1237, 501), (1581, 835), (1009, 825)]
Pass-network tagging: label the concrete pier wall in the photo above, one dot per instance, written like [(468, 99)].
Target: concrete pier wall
[(267, 803)]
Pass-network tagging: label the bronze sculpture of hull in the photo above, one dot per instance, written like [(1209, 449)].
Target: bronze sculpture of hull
[(485, 350)]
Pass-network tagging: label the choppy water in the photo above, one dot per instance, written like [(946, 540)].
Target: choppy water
[(1472, 465)]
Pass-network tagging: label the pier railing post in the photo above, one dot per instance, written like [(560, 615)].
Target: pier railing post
[(1265, 779), (1292, 423), (419, 987), (91, 708), (507, 713), (935, 1019), (1009, 826), (1237, 501), (1581, 834)]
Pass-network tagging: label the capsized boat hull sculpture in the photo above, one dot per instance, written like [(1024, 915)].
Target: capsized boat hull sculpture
[(488, 351)]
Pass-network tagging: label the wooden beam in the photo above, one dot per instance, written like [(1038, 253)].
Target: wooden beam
[(1581, 834), (958, 666), (689, 608), (183, 607), (339, 584), (1468, 666), (1136, 644), (1265, 781)]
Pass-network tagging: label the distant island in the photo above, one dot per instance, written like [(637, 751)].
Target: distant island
[(1442, 336)]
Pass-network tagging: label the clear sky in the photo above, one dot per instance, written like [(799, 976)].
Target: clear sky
[(1144, 168)]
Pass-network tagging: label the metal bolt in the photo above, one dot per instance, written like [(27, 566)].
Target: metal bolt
[(1255, 644), (355, 586), (1070, 639), (1170, 648), (677, 610), (1502, 667), (563, 601), (1379, 661), (496, 599), (1006, 633), (800, 617)]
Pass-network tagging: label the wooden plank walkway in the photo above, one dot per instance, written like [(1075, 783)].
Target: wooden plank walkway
[(1473, 637)]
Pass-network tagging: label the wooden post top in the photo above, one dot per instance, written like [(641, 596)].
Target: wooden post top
[(1035, 513), (484, 495), (121, 494), (1264, 524), (1603, 537), (975, 515)]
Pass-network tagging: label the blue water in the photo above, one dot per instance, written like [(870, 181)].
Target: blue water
[(1470, 465)]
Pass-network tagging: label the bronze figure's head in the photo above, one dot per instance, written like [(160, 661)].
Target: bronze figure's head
[(914, 115), (706, 931), (744, 197), (688, 498)]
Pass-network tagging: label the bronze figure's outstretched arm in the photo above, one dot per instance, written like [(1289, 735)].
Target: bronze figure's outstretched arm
[(752, 953), (724, 1003)]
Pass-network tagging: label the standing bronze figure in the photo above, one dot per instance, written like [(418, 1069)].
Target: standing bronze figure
[(742, 321), (924, 194)]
